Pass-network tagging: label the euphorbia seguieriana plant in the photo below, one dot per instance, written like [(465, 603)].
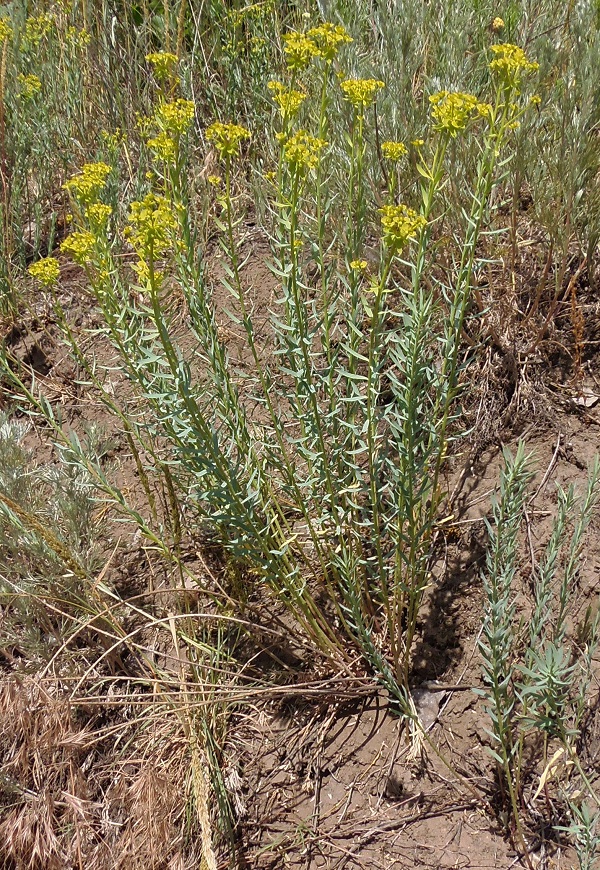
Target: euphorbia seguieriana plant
[(322, 471)]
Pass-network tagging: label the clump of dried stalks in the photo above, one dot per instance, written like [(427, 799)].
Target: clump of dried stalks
[(91, 787)]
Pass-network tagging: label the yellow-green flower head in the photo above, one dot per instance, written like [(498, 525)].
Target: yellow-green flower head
[(252, 10), (152, 225), (287, 100), (227, 138), (257, 43), (98, 215), (301, 151), (5, 30), (497, 24), (46, 271), (114, 139), (36, 28), (80, 246), (510, 63), (453, 111), (393, 150), (400, 224), (30, 85), (164, 147), (328, 38), (163, 63), (79, 38), (176, 117), (299, 50), (361, 92), (89, 183), (358, 265)]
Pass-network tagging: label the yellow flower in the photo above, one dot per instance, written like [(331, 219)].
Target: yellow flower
[(81, 247), (301, 151), (510, 63), (328, 38), (257, 43), (535, 100), (113, 140), (497, 24), (36, 28), (152, 224), (143, 123), (88, 184), (176, 117), (142, 270), (453, 111), (214, 180), (227, 137), (5, 30), (299, 50), (400, 224), (287, 100), (361, 92), (46, 271), (163, 64), (30, 86), (358, 265), (78, 38), (164, 147), (393, 150), (417, 143), (98, 214)]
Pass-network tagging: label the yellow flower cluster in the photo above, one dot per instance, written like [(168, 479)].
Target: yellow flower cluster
[(79, 38), (453, 111), (5, 30), (173, 120), (30, 85), (164, 147), (358, 265), (226, 137), (152, 224), (177, 117), (163, 64), (400, 224), (287, 100), (322, 41), (361, 92), (497, 24), (98, 215), (114, 139), (328, 38), (36, 28), (393, 150), (299, 50), (510, 62), (46, 271), (80, 246), (254, 11), (301, 151), (88, 184)]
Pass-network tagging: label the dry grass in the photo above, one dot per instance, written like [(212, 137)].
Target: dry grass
[(91, 788)]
